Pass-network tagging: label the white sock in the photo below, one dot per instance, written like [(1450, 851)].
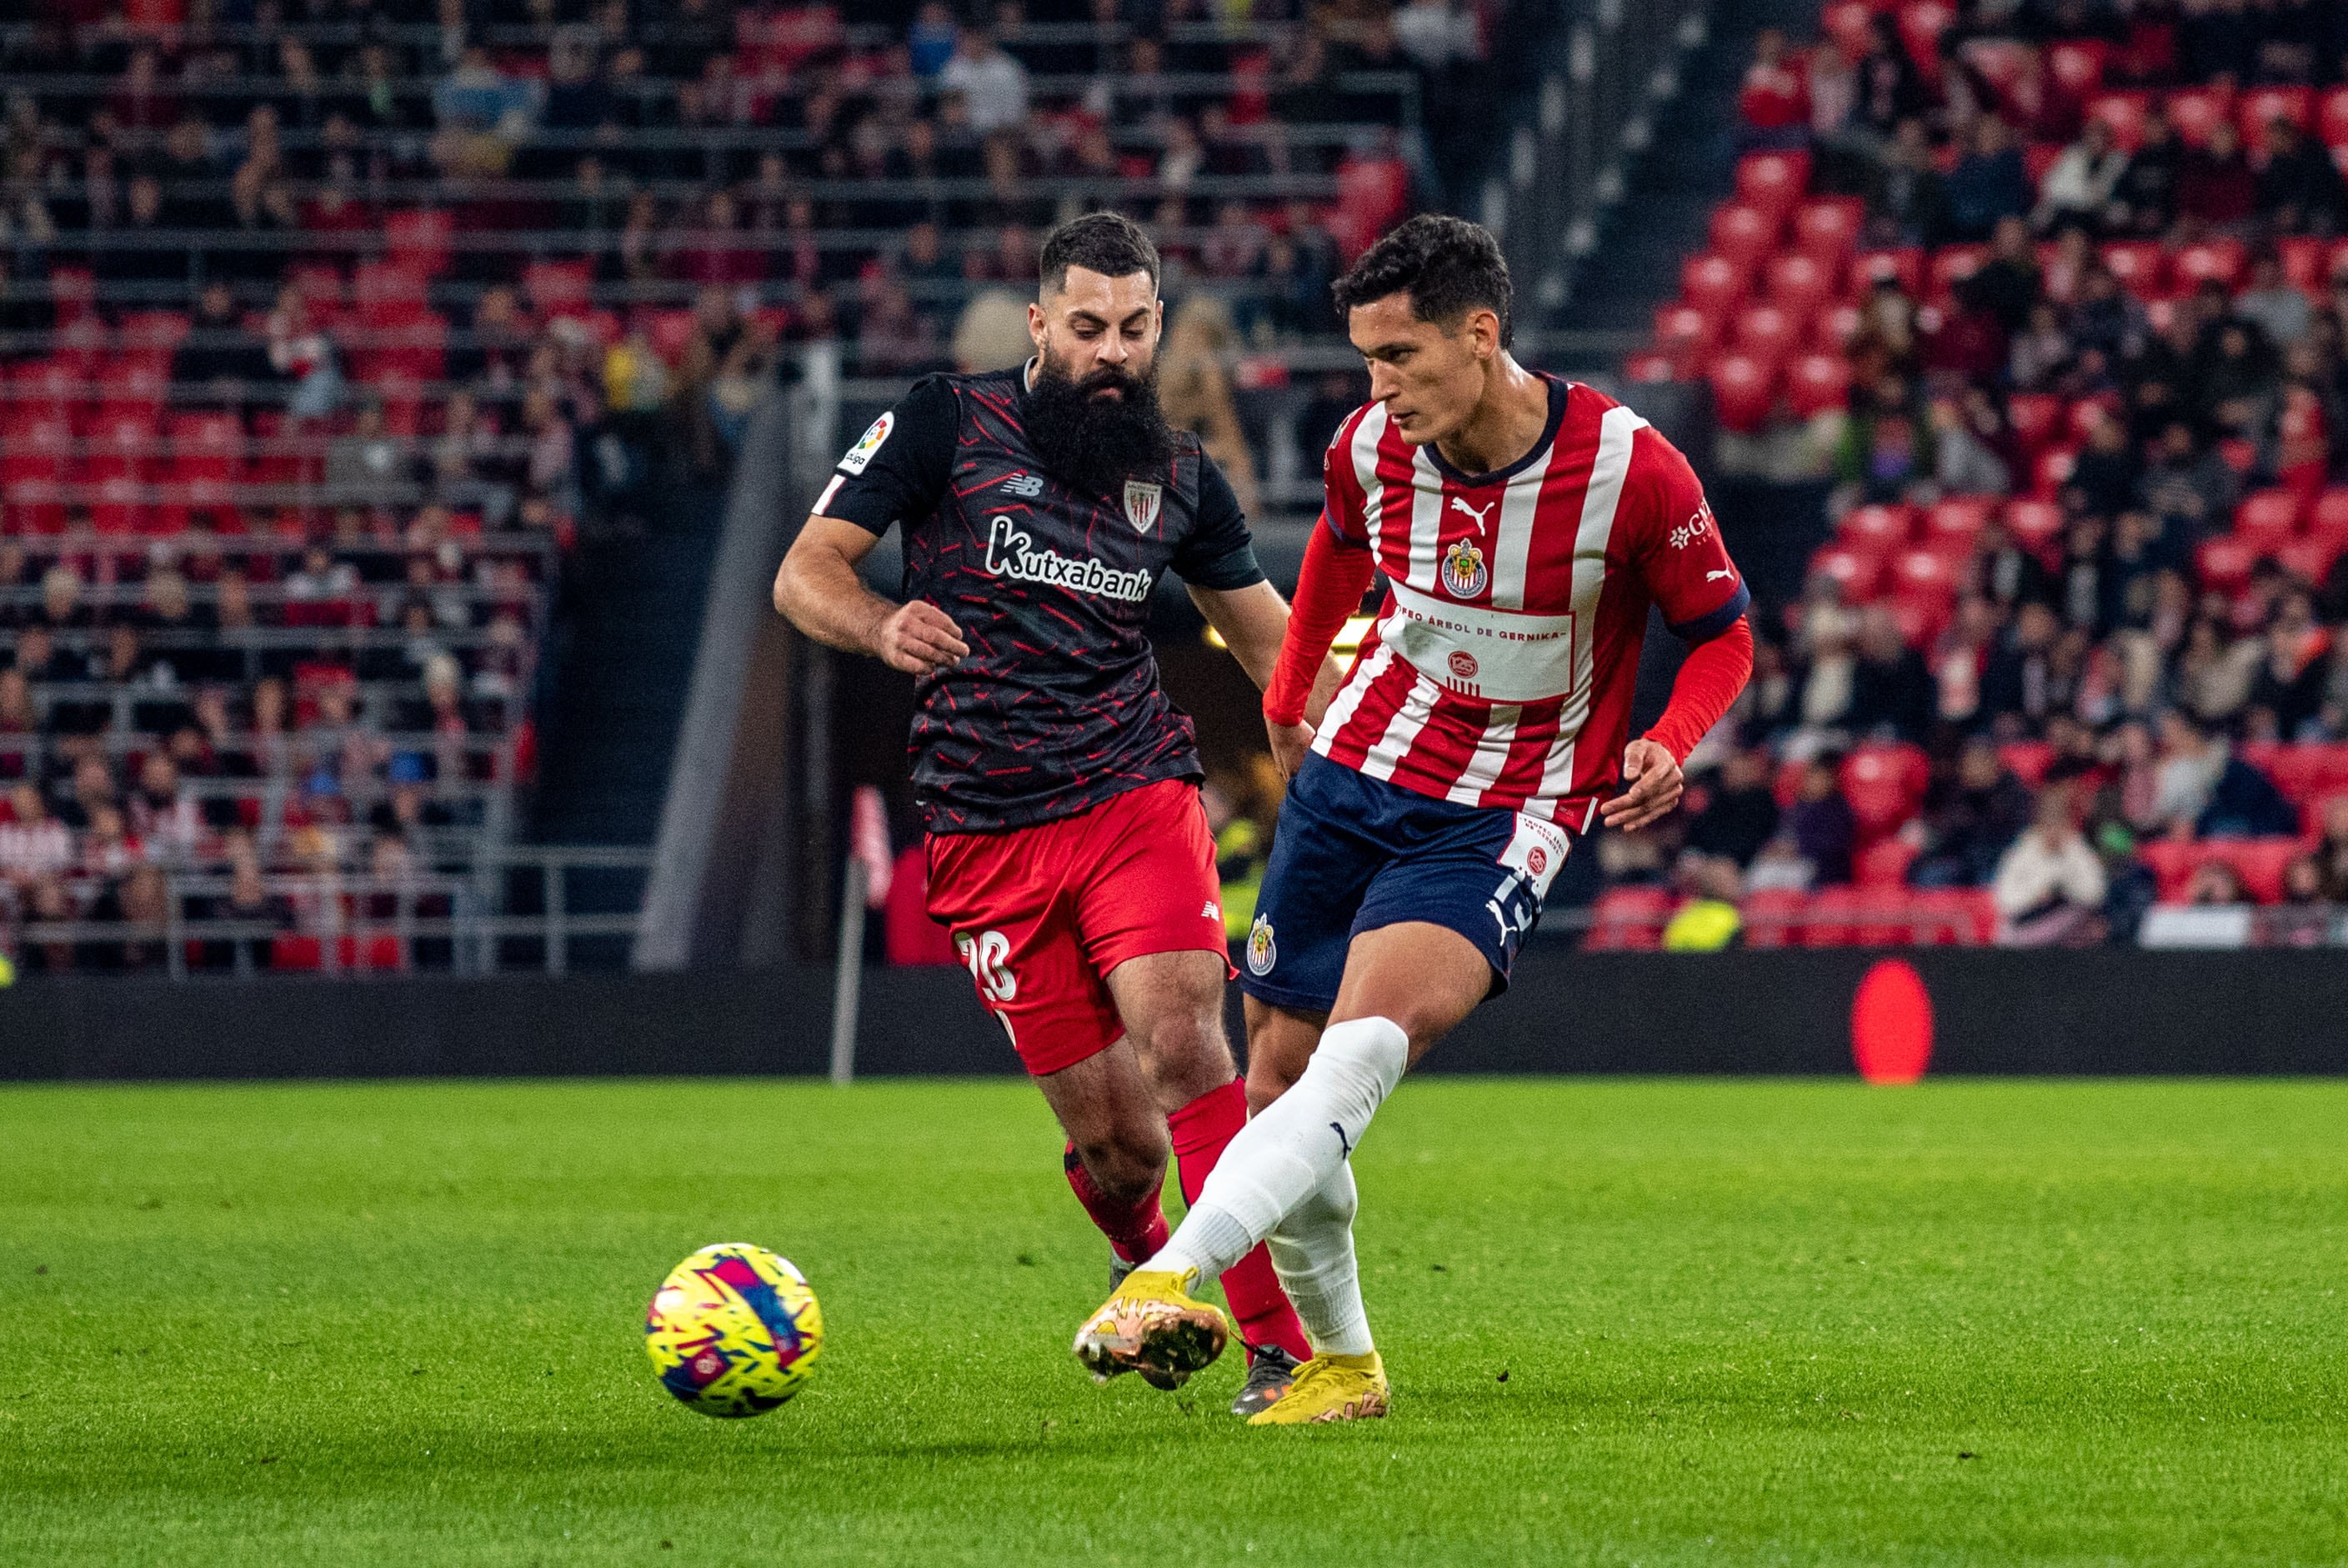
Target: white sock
[(1284, 1155), (1313, 1251)]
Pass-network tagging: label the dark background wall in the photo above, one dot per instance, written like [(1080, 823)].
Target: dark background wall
[(1777, 1012)]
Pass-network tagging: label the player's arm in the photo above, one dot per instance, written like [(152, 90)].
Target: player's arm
[(896, 473), (1704, 599)]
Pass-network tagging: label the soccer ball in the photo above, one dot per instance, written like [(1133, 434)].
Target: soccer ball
[(734, 1330)]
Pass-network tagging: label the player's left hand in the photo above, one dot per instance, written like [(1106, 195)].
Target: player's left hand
[(1652, 774)]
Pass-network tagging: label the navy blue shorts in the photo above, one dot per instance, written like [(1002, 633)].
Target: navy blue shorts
[(1353, 854)]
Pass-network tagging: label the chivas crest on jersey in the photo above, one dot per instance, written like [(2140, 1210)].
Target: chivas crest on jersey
[(1141, 504), (1463, 569)]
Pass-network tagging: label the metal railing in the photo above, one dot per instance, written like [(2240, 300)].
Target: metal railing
[(335, 924)]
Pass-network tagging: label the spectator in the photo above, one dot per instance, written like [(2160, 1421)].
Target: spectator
[(1196, 390), (992, 85), (369, 464), (1988, 183), (2018, 684), (2204, 785), (2144, 201), (2186, 486), (2050, 885), (2297, 189), (1891, 689), (1823, 830), (1910, 206), (1773, 103), (2215, 885), (219, 365), (2008, 283), (1739, 813), (2272, 302), (2078, 188), (2215, 186), (1970, 818), (33, 844)]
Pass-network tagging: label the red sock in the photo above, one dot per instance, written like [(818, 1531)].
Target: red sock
[(1202, 1129), (1135, 1230)]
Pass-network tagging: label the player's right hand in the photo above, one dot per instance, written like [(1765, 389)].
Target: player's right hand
[(1290, 743), (919, 637)]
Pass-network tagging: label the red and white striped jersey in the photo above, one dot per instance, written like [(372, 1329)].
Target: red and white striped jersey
[(1500, 669)]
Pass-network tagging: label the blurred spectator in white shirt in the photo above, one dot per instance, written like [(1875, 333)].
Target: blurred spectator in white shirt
[(2049, 886), (992, 85)]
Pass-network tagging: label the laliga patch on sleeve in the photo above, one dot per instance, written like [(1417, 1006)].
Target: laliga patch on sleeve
[(1537, 848), (868, 443)]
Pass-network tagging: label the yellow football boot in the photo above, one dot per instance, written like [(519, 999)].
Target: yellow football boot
[(1330, 1389), (1151, 1326)]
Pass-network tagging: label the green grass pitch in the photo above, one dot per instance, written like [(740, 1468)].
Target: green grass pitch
[(1651, 1322)]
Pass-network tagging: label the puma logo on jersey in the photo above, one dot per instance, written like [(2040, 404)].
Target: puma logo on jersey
[(1026, 486), (1459, 503), (1715, 576), (1345, 1148)]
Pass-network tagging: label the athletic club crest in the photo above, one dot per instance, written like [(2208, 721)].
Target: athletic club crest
[(1463, 569), (1141, 504), (1261, 954)]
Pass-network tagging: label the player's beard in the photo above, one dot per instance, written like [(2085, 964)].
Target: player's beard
[(1091, 443)]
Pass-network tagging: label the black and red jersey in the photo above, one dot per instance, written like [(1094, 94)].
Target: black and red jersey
[(1056, 708)]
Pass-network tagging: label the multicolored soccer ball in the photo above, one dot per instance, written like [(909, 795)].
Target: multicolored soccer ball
[(734, 1330)]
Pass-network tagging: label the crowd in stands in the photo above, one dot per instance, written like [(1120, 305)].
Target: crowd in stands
[(2055, 294)]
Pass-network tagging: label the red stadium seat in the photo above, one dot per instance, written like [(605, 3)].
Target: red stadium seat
[(1685, 331), (2027, 761), (1815, 382), (2077, 65), (124, 444), (1772, 915), (557, 288), (1744, 233), (1825, 228), (2124, 113), (73, 291), (2259, 862), (1713, 284), (1850, 23), (2310, 559), (1767, 331), (2195, 112), (2052, 470), (2036, 417), (1884, 784), (2224, 564), (2037, 159), (2225, 261), (1773, 181), (1828, 919), (1953, 264), (1904, 266), (1800, 282), (1924, 576), (2034, 524), (1833, 328), (418, 239), (2141, 265), (1650, 367), (1743, 389), (2266, 519), (1884, 865), (1626, 918), (1956, 522), (2261, 106), (1880, 529), (2328, 517), (1856, 572), (2332, 117), (2302, 259), (1921, 23)]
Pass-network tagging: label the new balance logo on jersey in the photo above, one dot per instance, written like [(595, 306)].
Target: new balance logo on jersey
[(1210, 911), (1460, 504), (1011, 553), (1027, 487)]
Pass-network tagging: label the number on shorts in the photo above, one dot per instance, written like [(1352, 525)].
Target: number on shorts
[(985, 956)]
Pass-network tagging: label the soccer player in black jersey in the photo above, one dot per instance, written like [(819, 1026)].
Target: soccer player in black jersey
[(1068, 850)]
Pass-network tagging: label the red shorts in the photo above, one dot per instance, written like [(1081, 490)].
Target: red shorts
[(1040, 916)]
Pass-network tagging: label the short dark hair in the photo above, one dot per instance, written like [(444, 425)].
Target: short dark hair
[(1447, 266), (1109, 244)]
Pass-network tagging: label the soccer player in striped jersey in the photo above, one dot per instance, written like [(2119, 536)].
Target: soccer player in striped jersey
[(1524, 524)]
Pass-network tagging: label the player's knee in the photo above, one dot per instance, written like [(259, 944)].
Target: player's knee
[(1188, 1056), (1127, 1163)]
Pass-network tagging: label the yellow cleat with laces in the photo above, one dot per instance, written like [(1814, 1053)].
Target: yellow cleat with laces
[(1330, 1389), (1153, 1326)]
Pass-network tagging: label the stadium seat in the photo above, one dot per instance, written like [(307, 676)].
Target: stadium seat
[(2052, 470), (1856, 570), (1921, 23), (2261, 106), (2332, 117), (1772, 916), (2224, 562), (1904, 266), (557, 288), (1884, 863), (1686, 332), (1628, 918), (2311, 560), (1743, 389), (1828, 918), (1956, 522), (1834, 326), (2303, 259), (1767, 331), (1815, 382), (1884, 783), (2034, 416), (1798, 283), (1744, 233), (2224, 262), (418, 240), (2076, 65), (1880, 529), (2266, 519), (1950, 266), (2125, 112), (2259, 862), (1713, 284), (1922, 574), (1650, 367), (2034, 524), (1773, 181), (2141, 265), (1826, 229), (2027, 761), (2195, 112), (2328, 517)]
